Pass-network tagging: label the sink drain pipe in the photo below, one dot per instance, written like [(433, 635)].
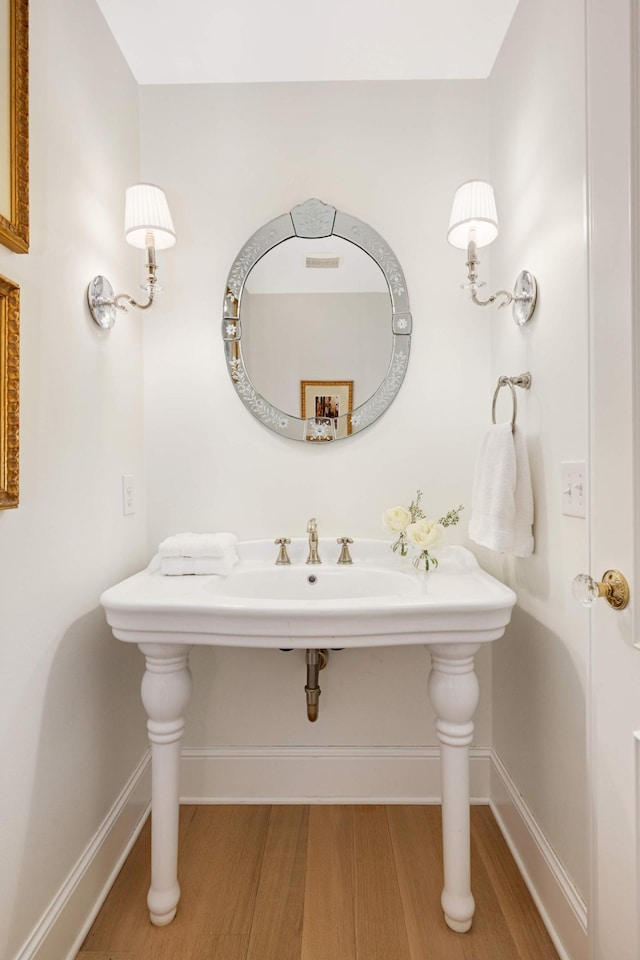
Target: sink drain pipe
[(316, 661)]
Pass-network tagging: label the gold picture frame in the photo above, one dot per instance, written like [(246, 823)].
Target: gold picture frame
[(327, 400), (14, 125), (9, 392)]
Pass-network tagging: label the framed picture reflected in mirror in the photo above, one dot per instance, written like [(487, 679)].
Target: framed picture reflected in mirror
[(326, 401)]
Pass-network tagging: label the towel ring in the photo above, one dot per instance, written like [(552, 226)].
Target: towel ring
[(524, 381)]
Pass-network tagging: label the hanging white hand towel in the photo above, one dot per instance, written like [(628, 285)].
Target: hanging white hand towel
[(502, 501)]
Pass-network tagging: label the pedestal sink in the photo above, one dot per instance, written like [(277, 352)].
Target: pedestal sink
[(380, 600)]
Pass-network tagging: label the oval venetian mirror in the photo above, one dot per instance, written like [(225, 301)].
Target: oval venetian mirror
[(316, 324)]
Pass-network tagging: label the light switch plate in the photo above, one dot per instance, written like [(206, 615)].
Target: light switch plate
[(574, 488), (128, 495)]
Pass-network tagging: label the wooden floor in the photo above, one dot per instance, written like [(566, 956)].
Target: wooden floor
[(319, 883)]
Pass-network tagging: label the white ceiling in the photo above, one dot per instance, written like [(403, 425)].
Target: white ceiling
[(239, 41)]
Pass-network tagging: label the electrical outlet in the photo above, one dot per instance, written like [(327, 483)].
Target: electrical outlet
[(574, 488), (128, 495)]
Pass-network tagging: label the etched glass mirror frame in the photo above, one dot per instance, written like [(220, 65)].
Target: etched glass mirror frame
[(314, 219)]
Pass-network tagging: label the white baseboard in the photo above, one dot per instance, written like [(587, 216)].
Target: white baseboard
[(561, 907), (322, 775), (66, 922)]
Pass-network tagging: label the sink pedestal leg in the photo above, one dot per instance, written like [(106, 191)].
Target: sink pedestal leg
[(453, 691), (166, 688)]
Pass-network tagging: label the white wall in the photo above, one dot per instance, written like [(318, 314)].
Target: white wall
[(232, 157), (538, 165), (71, 730)]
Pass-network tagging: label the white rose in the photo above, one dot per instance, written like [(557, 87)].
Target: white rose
[(396, 519), (425, 533)]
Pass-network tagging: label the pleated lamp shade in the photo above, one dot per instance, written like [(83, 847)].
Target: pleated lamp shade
[(147, 220), (474, 209)]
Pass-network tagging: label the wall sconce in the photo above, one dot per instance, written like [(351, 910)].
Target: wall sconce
[(147, 225), (473, 224)]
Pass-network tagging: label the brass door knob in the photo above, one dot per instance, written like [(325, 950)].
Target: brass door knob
[(613, 587)]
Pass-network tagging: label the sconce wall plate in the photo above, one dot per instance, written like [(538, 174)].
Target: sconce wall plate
[(525, 295), (101, 302)]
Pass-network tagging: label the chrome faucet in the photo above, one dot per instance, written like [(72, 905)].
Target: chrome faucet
[(312, 530)]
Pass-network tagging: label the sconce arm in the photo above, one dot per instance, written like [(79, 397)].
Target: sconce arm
[(524, 292), (130, 302), (152, 266), (508, 298), (103, 303), (472, 284)]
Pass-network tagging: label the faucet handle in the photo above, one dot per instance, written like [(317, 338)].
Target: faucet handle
[(283, 556), (345, 556)]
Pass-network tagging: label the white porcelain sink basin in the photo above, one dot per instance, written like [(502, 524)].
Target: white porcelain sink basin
[(312, 584), (379, 600)]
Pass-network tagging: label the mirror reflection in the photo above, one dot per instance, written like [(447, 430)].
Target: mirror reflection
[(326, 304), (316, 324)]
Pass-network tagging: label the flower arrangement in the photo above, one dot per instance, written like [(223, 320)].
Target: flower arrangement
[(414, 528)]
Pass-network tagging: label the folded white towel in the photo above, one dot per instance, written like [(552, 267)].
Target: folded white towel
[(502, 500), (198, 545), (198, 566)]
